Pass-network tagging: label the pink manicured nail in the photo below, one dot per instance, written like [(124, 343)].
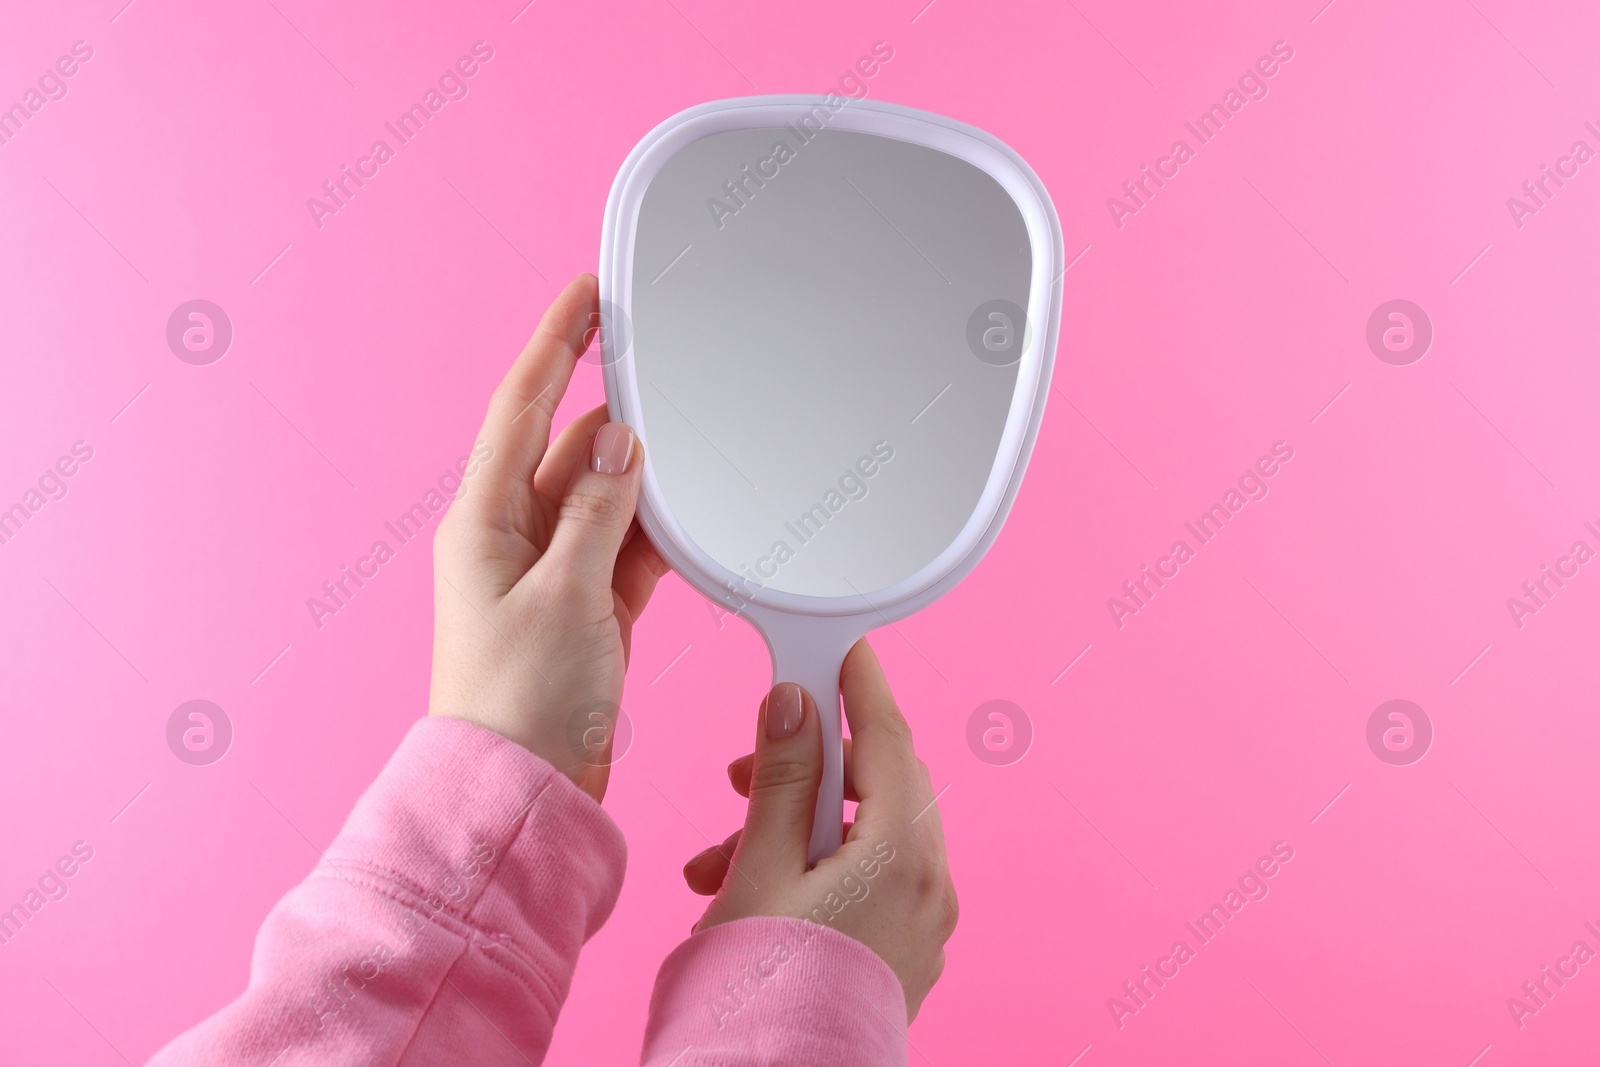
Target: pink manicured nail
[(613, 449), (786, 708)]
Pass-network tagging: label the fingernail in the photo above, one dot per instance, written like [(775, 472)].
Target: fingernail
[(786, 708), (699, 858), (613, 449)]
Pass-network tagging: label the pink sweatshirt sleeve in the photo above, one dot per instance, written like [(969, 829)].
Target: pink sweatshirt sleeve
[(773, 992), (445, 920)]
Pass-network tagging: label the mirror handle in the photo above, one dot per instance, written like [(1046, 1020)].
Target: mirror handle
[(827, 824), (811, 652)]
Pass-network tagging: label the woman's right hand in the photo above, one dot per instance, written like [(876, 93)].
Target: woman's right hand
[(889, 885)]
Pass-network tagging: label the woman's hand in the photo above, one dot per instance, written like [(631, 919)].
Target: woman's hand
[(889, 886), (539, 568)]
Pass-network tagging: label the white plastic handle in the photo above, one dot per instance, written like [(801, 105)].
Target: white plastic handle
[(810, 652), (822, 682)]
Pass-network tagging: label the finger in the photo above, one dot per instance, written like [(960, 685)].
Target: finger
[(708, 870), (639, 567), (739, 774), (890, 780), (597, 509), (520, 412), (934, 972), (783, 786), (568, 452)]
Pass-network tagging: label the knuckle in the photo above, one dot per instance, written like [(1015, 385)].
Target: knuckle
[(594, 508), (900, 728), (518, 404), (935, 971), (930, 876), (778, 773), (894, 729), (561, 337), (951, 915), (922, 876)]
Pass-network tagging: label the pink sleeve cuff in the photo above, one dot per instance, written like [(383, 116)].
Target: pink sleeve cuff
[(466, 827), (775, 991), (443, 924)]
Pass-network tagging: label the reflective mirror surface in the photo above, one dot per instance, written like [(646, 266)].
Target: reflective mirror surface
[(825, 333)]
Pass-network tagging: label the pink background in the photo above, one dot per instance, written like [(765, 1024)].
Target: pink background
[(1223, 317)]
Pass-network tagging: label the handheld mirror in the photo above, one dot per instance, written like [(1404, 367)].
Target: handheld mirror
[(832, 324)]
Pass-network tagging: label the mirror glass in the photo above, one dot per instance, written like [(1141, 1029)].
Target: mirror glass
[(826, 327)]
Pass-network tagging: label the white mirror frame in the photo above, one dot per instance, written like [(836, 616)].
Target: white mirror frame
[(810, 635)]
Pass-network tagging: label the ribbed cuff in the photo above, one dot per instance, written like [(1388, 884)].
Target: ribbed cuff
[(472, 832), (772, 990)]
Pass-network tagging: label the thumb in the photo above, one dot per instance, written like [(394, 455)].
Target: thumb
[(598, 506), (783, 785)]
